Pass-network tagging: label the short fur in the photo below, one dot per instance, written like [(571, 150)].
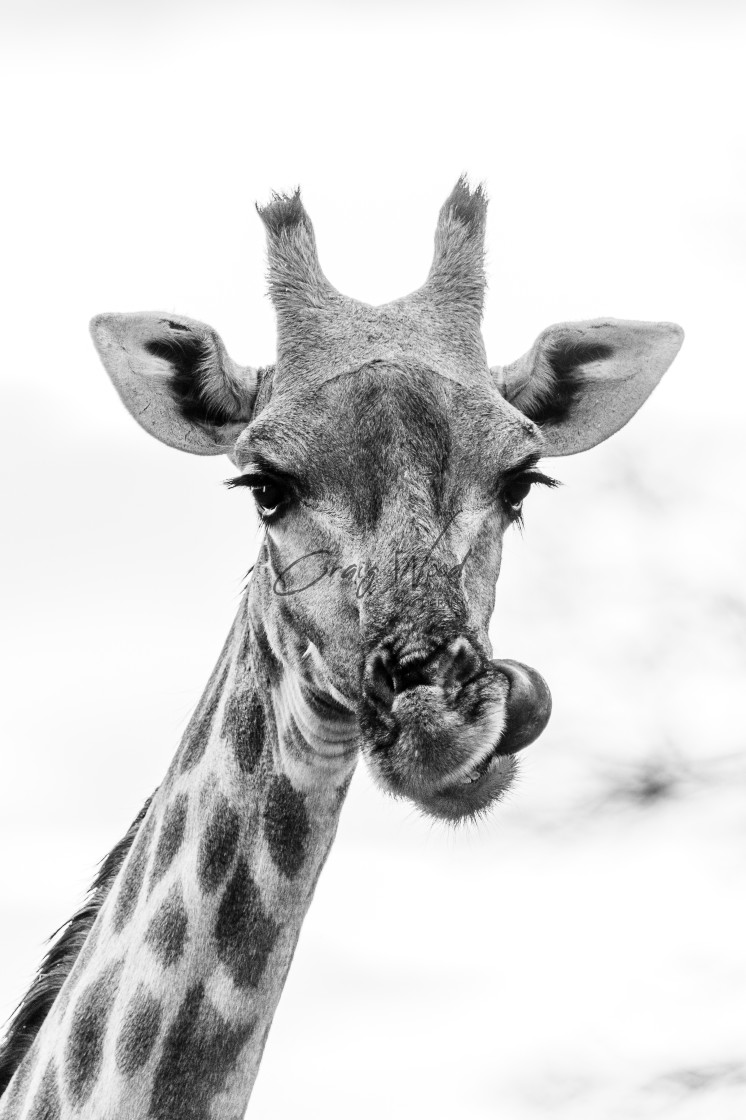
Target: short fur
[(457, 274), (322, 333), (294, 272), (200, 1051), (84, 1053), (57, 965)]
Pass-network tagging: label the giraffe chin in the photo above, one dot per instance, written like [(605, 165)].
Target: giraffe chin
[(476, 793), (455, 760)]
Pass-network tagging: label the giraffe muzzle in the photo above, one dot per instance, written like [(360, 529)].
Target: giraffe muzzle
[(443, 730)]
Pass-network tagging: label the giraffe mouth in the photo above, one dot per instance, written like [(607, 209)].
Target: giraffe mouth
[(475, 792), (480, 784), (456, 760)]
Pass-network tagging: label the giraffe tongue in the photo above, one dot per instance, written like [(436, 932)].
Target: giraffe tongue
[(527, 708)]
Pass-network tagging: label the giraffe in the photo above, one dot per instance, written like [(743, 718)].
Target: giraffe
[(386, 460)]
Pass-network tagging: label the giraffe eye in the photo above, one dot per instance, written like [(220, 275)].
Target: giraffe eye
[(515, 490), (270, 494)]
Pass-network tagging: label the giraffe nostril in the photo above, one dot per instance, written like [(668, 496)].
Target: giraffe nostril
[(450, 669), (379, 681), (460, 663), (415, 672)]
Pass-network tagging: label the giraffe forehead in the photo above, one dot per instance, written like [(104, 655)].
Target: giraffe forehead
[(386, 417)]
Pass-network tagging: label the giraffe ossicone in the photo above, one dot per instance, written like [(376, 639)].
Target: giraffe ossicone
[(386, 459)]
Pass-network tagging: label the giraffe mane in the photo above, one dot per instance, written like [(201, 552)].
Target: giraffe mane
[(67, 942)]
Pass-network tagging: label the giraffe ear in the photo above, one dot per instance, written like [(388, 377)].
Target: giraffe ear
[(581, 382), (173, 374)]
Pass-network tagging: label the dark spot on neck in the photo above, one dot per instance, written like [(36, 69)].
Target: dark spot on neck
[(199, 1052), (167, 931), (286, 826), (171, 837), (218, 844), (139, 1031), (133, 875), (197, 734), (244, 726), (85, 1045), (244, 933)]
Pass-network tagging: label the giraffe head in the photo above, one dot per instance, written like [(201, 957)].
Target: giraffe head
[(387, 459)]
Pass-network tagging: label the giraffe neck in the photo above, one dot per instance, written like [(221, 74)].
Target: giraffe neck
[(169, 1004)]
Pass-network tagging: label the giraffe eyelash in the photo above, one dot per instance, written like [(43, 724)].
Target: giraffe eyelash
[(536, 478), (249, 480)]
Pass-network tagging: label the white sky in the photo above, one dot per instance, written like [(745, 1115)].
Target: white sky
[(563, 960)]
